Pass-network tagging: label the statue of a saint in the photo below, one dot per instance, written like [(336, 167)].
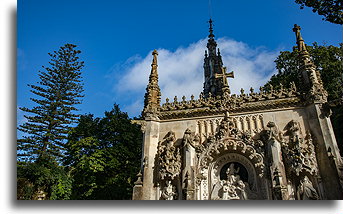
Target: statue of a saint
[(233, 187), (306, 191), (168, 192)]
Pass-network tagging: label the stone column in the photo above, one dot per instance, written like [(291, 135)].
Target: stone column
[(188, 163), (243, 127), (328, 157), (150, 143), (201, 130)]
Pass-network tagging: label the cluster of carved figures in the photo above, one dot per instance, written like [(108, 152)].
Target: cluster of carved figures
[(184, 165), (232, 188)]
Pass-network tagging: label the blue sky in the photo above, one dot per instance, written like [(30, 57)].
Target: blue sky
[(116, 39)]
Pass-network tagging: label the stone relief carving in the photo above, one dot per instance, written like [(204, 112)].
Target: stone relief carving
[(306, 191), (232, 188), (169, 191), (299, 151), (169, 157), (229, 138), (279, 190)]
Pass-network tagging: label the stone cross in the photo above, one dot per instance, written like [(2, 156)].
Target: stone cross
[(300, 40), (224, 75)]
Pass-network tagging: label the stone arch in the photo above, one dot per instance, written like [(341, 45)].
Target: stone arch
[(235, 158), (229, 145), (227, 150)]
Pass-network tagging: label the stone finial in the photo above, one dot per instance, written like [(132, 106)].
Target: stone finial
[(155, 54), (300, 41), (211, 35)]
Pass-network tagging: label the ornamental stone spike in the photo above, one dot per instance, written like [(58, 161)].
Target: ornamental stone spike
[(311, 79), (215, 74), (152, 96), (300, 41)]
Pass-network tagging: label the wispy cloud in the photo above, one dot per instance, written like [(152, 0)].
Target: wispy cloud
[(21, 60), (181, 71)]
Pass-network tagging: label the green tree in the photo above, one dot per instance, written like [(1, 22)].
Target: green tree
[(49, 178), (41, 149), (332, 10), (104, 155), (329, 61), (56, 95)]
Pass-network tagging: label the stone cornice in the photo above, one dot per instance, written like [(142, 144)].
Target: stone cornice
[(272, 99)]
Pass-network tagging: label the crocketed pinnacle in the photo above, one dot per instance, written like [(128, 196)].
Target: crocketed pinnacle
[(310, 76), (152, 96), (215, 74)]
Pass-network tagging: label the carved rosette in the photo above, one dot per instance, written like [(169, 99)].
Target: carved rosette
[(169, 157)]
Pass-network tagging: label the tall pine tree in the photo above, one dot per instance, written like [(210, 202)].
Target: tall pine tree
[(56, 95)]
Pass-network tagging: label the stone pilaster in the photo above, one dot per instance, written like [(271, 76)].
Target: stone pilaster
[(328, 156), (151, 137)]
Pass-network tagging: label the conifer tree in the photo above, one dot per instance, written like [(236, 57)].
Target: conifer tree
[(55, 96)]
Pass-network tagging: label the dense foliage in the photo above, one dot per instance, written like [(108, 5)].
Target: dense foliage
[(46, 177), (332, 10), (329, 61), (104, 155), (63, 155)]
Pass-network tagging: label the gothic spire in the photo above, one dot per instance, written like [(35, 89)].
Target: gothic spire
[(152, 96), (215, 74), (211, 44), (211, 29)]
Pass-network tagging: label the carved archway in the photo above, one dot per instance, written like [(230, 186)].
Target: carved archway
[(232, 145), (241, 160), (230, 150)]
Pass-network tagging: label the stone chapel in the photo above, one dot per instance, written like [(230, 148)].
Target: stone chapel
[(265, 145)]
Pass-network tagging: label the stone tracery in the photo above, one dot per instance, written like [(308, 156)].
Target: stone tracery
[(282, 164)]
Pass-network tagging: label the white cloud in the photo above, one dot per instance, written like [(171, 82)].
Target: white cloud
[(181, 71)]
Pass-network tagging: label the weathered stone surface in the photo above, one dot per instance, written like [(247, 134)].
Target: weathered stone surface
[(271, 144)]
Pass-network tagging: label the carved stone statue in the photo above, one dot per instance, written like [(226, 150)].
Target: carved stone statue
[(169, 191), (306, 191), (229, 192), (188, 139), (233, 187)]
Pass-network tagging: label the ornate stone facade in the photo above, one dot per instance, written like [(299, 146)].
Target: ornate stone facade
[(271, 144)]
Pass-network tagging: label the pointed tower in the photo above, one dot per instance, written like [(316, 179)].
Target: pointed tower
[(330, 162), (215, 74), (311, 81), (152, 96)]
